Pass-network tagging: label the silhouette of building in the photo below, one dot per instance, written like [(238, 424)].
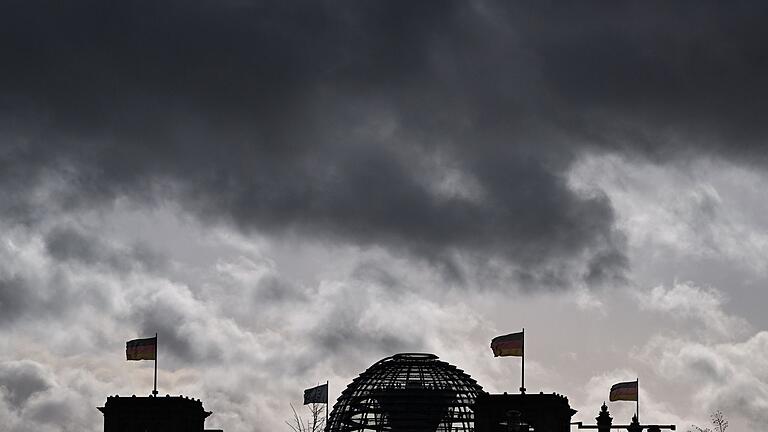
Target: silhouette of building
[(522, 412), (407, 392), (154, 414), (418, 393), (605, 424)]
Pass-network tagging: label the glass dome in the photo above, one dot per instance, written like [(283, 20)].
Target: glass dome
[(408, 392)]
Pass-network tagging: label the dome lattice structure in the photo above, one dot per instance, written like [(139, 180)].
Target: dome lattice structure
[(408, 392)]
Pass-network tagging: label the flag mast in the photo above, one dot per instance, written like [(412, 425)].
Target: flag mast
[(512, 344), (522, 367), (154, 392), (637, 402)]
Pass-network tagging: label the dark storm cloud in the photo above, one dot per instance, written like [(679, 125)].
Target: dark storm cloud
[(53, 412), (26, 298), (15, 297), (44, 290), (69, 244), (344, 330), (373, 272), (346, 336), (272, 289), (169, 319), (21, 380), (347, 121), (659, 72)]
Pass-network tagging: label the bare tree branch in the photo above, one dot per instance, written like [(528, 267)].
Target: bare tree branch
[(721, 424), (315, 423), (718, 419), (297, 423)]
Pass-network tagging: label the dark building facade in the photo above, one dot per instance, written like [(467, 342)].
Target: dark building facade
[(605, 424), (154, 414), (522, 412), (415, 392)]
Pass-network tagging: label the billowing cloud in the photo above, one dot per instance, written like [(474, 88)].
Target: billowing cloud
[(413, 150), (33, 395), (240, 325), (68, 244), (22, 380), (731, 377), (717, 366), (442, 131), (311, 119), (685, 301)]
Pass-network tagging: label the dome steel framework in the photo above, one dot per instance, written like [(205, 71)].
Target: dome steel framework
[(408, 392)]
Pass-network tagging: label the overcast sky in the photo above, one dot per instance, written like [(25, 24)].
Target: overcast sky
[(288, 192)]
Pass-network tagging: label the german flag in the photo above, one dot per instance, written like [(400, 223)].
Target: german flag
[(624, 391), (141, 349), (317, 394), (508, 345)]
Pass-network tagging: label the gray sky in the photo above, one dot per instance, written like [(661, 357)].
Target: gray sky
[(288, 192)]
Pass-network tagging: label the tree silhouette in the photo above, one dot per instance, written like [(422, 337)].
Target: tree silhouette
[(316, 422), (718, 420)]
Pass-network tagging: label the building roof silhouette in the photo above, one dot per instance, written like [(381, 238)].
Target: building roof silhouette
[(154, 414), (407, 392), (513, 412)]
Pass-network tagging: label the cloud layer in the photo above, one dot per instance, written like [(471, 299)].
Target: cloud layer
[(434, 160)]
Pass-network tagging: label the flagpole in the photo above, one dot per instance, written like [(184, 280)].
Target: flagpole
[(637, 402), (327, 390), (522, 367), (154, 392)]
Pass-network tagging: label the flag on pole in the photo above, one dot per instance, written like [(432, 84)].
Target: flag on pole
[(317, 394), (508, 345), (141, 349), (624, 391)]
